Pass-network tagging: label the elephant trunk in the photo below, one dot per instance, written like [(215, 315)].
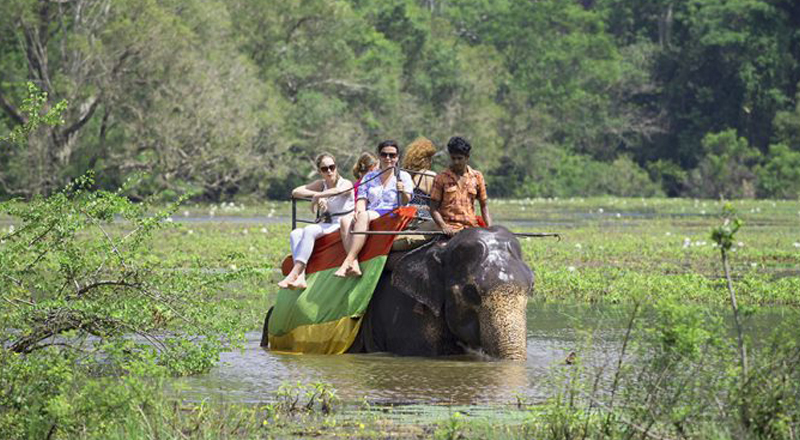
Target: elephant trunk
[(503, 326)]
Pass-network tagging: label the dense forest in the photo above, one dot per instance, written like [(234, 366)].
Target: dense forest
[(232, 98)]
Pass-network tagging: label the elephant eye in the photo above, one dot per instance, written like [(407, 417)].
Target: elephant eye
[(475, 248), (514, 249)]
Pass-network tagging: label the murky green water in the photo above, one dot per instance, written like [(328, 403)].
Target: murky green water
[(554, 330), (253, 374)]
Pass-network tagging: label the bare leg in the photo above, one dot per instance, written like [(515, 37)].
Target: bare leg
[(344, 230), (350, 267), (297, 269)]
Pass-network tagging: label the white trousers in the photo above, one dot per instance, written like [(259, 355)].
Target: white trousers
[(302, 239)]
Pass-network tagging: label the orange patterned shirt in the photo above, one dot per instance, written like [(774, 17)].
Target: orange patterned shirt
[(457, 194)]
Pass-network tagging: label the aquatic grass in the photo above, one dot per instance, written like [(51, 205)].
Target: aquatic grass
[(641, 255)]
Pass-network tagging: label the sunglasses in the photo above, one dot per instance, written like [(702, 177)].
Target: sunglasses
[(388, 155), (330, 168)]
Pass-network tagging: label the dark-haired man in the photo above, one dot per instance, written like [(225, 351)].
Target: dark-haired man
[(456, 189)]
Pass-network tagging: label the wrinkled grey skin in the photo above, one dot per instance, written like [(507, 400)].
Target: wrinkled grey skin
[(469, 292)]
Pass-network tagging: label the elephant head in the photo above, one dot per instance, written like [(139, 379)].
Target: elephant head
[(478, 283)]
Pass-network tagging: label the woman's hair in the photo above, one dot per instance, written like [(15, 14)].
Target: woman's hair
[(321, 157), (419, 154), (364, 163)]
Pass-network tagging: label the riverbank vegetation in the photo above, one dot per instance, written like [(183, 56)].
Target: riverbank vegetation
[(157, 293), (560, 98), (105, 299)]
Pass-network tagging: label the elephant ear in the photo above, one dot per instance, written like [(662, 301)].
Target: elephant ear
[(419, 275)]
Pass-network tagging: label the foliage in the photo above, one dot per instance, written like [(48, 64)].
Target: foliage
[(82, 301), (559, 174), (779, 176), (317, 396), (726, 170), (229, 99), (90, 323), (36, 115)]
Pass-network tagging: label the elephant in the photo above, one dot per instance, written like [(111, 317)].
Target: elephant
[(451, 296)]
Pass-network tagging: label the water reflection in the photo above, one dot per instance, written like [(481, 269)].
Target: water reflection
[(253, 374)]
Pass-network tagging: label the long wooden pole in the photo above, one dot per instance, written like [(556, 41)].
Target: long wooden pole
[(518, 234)]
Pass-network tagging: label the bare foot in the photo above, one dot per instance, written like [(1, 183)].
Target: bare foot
[(353, 270), (342, 272), (286, 282), (299, 283)]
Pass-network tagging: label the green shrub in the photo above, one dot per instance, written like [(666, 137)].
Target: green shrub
[(779, 176), (556, 173), (726, 170)]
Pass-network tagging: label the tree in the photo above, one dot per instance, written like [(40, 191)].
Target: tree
[(136, 74), (779, 176), (726, 169)]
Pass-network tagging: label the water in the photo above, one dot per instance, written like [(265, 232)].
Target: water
[(254, 374)]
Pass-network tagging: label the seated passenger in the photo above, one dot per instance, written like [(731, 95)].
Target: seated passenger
[(377, 195), (331, 196), (456, 189), (366, 162), (419, 158)]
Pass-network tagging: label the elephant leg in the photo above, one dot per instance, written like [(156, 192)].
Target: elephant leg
[(265, 331), (398, 324)]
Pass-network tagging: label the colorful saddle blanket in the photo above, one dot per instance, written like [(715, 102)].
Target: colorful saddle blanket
[(326, 316)]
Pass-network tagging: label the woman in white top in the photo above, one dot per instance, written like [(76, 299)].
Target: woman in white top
[(331, 195)]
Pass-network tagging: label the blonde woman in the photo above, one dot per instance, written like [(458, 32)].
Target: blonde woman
[(419, 158), (332, 194)]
